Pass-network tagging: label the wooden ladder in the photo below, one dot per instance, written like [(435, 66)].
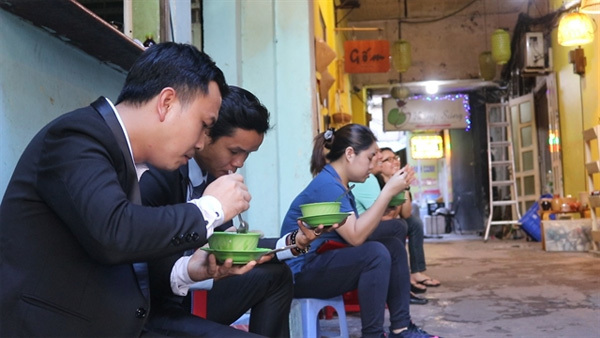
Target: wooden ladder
[(592, 165)]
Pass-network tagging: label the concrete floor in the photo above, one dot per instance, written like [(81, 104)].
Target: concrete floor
[(504, 288)]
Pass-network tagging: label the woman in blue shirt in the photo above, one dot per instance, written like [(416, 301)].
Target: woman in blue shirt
[(369, 259)]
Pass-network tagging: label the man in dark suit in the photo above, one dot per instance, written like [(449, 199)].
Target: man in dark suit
[(71, 223), (268, 288)]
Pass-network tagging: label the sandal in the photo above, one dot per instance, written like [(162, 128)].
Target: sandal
[(417, 288), (429, 282)]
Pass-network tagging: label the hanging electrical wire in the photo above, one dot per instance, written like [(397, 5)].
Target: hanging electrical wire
[(524, 22), (345, 16), (438, 18)]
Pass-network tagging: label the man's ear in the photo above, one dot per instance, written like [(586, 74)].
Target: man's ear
[(166, 100)]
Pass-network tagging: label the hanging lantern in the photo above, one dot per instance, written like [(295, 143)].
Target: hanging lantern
[(590, 6), (575, 29), (487, 66), (500, 46), (400, 92), (401, 57)]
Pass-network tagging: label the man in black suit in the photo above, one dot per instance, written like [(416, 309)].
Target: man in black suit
[(71, 223), (268, 288)]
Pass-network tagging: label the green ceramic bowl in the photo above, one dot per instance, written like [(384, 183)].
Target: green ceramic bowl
[(232, 241), (321, 208), (239, 257), (326, 220), (397, 200)]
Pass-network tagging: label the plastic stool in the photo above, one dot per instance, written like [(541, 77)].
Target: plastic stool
[(310, 308), (351, 301), (199, 303)]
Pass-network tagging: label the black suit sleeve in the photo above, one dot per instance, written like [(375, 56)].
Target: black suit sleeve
[(159, 188), (82, 176)]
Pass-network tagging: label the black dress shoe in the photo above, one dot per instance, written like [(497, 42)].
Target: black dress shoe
[(417, 300)]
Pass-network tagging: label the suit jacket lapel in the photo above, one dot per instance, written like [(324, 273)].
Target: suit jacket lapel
[(108, 114), (185, 182), (133, 195)]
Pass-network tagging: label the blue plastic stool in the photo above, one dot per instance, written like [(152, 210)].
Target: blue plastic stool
[(310, 308)]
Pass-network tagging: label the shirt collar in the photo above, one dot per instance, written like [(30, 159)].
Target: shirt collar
[(140, 168), (195, 174), (329, 169)]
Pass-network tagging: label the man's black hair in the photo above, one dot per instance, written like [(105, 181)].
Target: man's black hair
[(180, 66), (240, 109)]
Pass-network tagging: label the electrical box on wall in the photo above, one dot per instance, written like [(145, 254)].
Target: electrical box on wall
[(535, 53)]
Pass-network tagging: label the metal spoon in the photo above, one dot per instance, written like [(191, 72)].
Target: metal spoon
[(283, 248), (243, 227)]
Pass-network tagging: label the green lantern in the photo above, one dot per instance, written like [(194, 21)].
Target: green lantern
[(487, 66), (501, 46), (401, 55)]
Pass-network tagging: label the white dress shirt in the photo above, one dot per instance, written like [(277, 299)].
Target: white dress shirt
[(180, 278), (181, 282)]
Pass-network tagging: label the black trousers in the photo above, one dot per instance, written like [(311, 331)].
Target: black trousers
[(267, 290), (378, 268)]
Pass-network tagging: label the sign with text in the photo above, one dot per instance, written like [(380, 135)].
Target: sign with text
[(426, 113), (426, 147), (366, 56)]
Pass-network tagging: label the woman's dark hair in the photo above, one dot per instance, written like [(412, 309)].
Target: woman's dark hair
[(402, 155), (240, 109), (356, 136), (180, 66), (380, 180)]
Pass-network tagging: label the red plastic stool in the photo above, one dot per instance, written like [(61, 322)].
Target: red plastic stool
[(351, 301), (328, 312), (199, 303)]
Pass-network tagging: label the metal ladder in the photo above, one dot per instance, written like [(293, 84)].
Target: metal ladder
[(501, 166)]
